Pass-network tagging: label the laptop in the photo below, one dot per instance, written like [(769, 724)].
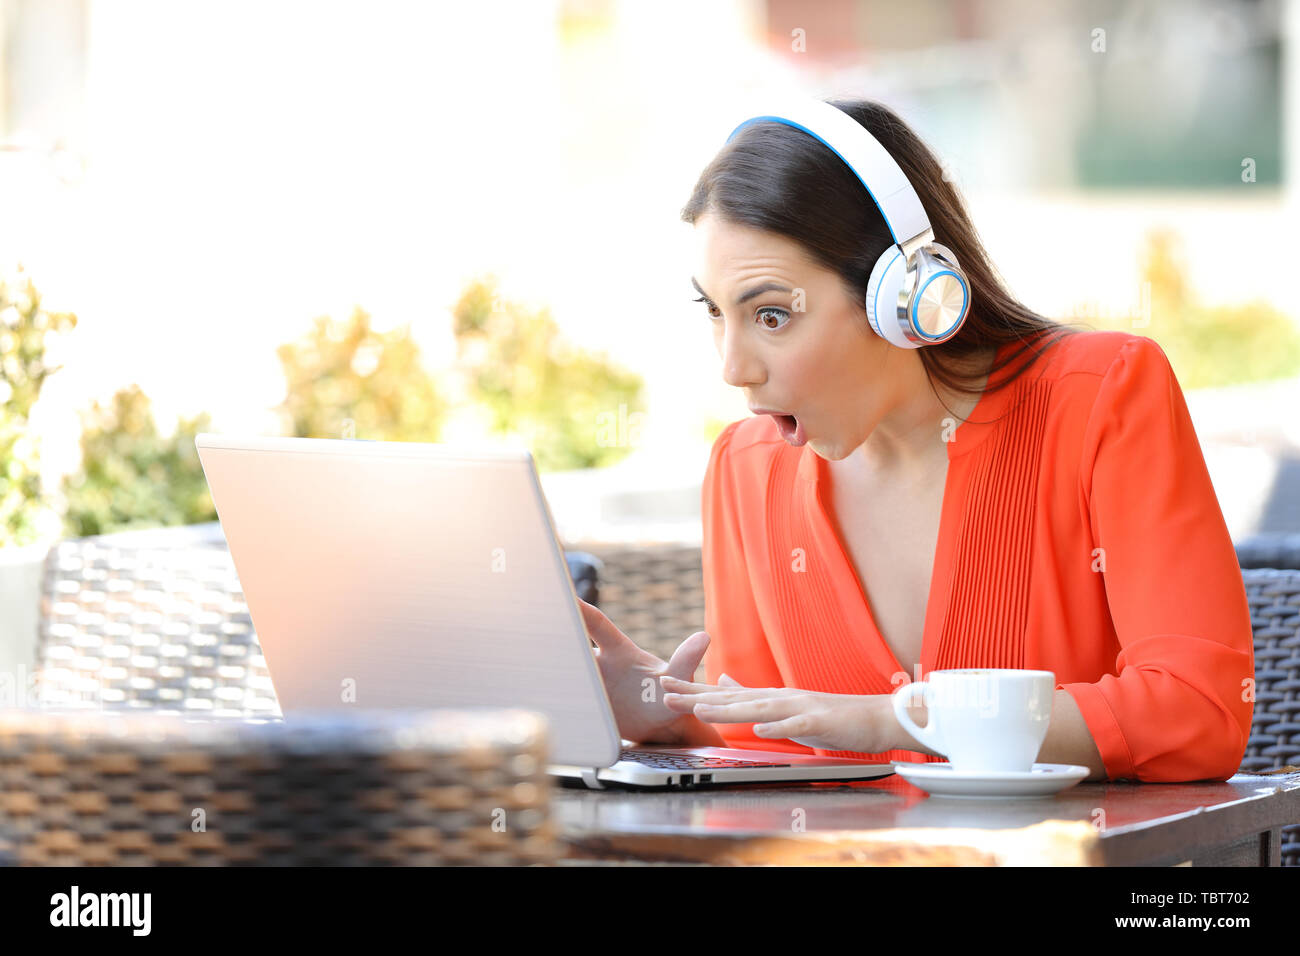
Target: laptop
[(404, 575)]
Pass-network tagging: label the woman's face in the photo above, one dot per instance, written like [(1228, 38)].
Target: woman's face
[(801, 346)]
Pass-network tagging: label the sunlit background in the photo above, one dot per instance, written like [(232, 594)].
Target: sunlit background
[(480, 204)]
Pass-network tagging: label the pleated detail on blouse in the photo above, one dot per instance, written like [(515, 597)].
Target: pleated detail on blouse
[(992, 566)]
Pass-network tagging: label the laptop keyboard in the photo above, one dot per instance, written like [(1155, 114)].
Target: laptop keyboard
[(672, 761)]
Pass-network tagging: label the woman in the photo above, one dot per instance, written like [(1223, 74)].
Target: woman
[(1020, 495)]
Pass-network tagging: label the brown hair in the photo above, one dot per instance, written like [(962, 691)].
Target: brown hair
[(778, 178)]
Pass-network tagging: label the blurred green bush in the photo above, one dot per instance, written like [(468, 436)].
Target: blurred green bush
[(24, 326), (131, 476), (574, 409), (346, 380), (1207, 345)]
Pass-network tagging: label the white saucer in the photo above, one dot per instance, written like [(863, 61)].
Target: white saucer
[(941, 780)]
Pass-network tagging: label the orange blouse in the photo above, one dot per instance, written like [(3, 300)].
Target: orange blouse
[(1080, 534)]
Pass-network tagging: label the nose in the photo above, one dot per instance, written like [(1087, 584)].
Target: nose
[(739, 366)]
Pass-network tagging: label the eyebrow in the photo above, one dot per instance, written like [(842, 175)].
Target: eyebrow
[(751, 294)]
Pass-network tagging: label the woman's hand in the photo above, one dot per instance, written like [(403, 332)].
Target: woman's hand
[(854, 722), (631, 677)]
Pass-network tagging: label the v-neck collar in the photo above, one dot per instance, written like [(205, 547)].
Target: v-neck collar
[(860, 616)]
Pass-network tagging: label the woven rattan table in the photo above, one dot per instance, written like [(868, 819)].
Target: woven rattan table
[(889, 822)]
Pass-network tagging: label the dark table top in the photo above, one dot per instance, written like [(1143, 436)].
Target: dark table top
[(1089, 823)]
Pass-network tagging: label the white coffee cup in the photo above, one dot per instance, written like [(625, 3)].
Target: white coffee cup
[(981, 718)]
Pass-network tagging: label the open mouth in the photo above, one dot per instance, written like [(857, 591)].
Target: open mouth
[(791, 430)]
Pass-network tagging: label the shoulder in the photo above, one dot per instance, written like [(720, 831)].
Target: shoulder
[(1093, 354), (1096, 371), (1111, 368)]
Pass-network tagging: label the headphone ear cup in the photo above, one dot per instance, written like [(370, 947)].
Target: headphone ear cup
[(933, 261), (882, 297)]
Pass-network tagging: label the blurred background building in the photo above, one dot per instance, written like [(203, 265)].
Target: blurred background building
[(199, 182)]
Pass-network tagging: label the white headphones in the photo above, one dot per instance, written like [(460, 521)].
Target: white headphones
[(917, 294)]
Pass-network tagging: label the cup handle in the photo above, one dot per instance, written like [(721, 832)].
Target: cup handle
[(929, 734)]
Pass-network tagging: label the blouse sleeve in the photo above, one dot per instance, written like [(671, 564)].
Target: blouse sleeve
[(1179, 704), (737, 644)]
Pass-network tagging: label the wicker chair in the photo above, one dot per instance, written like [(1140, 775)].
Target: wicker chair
[(366, 788), (150, 620), (1274, 596), (654, 593), (1270, 550)]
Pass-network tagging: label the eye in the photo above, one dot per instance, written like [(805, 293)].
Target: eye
[(709, 307), (762, 315)]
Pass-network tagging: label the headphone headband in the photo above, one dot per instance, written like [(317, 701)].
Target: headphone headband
[(871, 163)]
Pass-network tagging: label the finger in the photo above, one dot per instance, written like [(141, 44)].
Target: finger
[(685, 703), (719, 697), (602, 630), (678, 704), (676, 686), (799, 725), (728, 681), (766, 709), (686, 659), (680, 686)]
